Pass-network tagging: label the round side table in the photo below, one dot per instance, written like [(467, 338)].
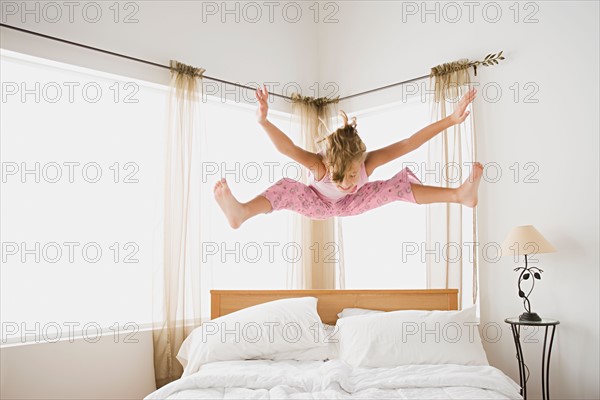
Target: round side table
[(515, 325)]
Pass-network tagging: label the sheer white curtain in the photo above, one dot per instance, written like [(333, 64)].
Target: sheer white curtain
[(321, 265), (452, 228), (177, 287)]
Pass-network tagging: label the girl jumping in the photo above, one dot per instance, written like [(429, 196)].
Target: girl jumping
[(339, 175)]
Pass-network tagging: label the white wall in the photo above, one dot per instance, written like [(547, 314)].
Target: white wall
[(110, 368), (372, 46)]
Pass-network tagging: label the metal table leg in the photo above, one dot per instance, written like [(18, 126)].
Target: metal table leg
[(516, 330), (546, 365)]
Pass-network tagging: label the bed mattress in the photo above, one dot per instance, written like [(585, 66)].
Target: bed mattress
[(333, 379)]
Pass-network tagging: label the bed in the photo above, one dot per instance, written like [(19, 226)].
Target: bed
[(372, 344)]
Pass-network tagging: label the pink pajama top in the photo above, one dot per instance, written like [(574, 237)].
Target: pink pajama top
[(327, 188)]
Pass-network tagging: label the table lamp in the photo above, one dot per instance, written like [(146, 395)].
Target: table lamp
[(526, 240)]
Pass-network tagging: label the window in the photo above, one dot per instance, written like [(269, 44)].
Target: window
[(82, 156), (81, 197)]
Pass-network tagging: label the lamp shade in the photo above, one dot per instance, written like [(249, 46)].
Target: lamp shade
[(525, 239)]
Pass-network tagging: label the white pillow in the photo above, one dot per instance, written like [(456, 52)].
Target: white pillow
[(319, 353), (256, 332), (352, 312), (405, 337)]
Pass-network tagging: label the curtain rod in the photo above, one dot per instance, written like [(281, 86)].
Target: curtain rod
[(204, 76)]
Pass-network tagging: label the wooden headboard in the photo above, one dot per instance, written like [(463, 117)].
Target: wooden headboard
[(331, 302)]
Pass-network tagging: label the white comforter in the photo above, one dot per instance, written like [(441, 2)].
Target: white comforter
[(266, 379)]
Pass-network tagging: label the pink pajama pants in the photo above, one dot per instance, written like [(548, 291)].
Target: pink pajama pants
[(289, 194)]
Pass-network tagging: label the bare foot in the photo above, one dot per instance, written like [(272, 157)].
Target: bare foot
[(468, 190), (233, 209)]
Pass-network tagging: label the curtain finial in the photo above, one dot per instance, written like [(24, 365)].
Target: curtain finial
[(463, 63)]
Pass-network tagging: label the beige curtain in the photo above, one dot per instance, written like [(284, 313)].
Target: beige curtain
[(452, 228), (176, 288), (321, 264)]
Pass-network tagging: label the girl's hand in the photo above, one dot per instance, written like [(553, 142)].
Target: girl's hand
[(460, 114), (262, 95)]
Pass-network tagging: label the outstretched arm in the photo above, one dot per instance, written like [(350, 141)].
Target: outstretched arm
[(386, 154), (283, 143)]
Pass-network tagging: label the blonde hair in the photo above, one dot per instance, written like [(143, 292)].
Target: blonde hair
[(343, 147)]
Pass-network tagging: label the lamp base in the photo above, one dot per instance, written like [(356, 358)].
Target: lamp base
[(529, 316)]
